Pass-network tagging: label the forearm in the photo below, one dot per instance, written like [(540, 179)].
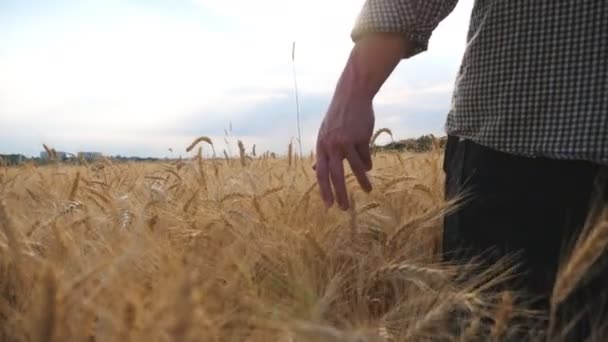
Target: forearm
[(371, 62)]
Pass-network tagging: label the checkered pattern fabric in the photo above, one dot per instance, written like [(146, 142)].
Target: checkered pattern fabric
[(533, 79)]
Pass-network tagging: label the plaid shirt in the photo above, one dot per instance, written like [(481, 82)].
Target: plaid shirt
[(534, 76)]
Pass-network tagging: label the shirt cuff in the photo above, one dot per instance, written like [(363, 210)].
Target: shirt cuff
[(414, 19), (420, 40)]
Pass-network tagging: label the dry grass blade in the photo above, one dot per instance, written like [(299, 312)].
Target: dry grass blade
[(425, 278), (368, 207), (302, 199), (272, 191), (201, 169), (310, 332), (405, 231), (426, 272), (503, 315), (352, 211), (233, 196), (48, 310), (258, 208), (190, 201), (74, 187), (14, 241), (471, 333), (226, 156), (174, 173), (396, 181), (105, 199), (434, 317), (315, 246), (179, 165)]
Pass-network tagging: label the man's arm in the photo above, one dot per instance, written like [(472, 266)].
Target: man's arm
[(349, 123), (386, 32), (371, 62)]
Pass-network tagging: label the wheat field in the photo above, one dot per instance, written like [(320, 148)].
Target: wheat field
[(237, 249)]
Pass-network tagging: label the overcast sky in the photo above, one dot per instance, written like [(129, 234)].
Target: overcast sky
[(136, 77)]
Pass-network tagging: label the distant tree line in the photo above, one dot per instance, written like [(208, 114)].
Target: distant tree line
[(423, 143), (120, 158), (18, 159), (12, 159)]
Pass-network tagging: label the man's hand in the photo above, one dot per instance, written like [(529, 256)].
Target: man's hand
[(349, 122), (344, 134)]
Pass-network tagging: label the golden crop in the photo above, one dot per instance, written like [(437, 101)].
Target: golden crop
[(235, 250)]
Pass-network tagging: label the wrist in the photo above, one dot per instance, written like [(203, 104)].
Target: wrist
[(356, 82)]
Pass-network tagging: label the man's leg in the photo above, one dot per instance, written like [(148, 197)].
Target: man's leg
[(529, 206)]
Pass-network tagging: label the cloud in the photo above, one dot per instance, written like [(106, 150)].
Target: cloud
[(137, 76)]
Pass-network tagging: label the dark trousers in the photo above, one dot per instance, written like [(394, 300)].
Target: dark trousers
[(530, 207)]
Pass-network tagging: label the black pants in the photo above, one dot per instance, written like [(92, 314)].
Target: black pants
[(532, 207)]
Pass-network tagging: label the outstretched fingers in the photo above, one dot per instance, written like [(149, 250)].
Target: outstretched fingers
[(366, 155), (336, 172), (359, 168), (322, 169)]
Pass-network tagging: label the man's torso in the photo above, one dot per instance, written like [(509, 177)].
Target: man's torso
[(534, 79)]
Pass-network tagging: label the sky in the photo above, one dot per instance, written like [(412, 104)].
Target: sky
[(138, 77)]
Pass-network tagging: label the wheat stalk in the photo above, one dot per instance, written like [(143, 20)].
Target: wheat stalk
[(242, 153), (587, 250), (378, 133), (198, 140), (201, 169), (290, 154)]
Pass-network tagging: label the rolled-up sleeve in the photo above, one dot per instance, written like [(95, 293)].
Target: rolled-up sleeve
[(415, 19)]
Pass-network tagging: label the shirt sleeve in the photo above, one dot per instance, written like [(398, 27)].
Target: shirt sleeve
[(415, 19)]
